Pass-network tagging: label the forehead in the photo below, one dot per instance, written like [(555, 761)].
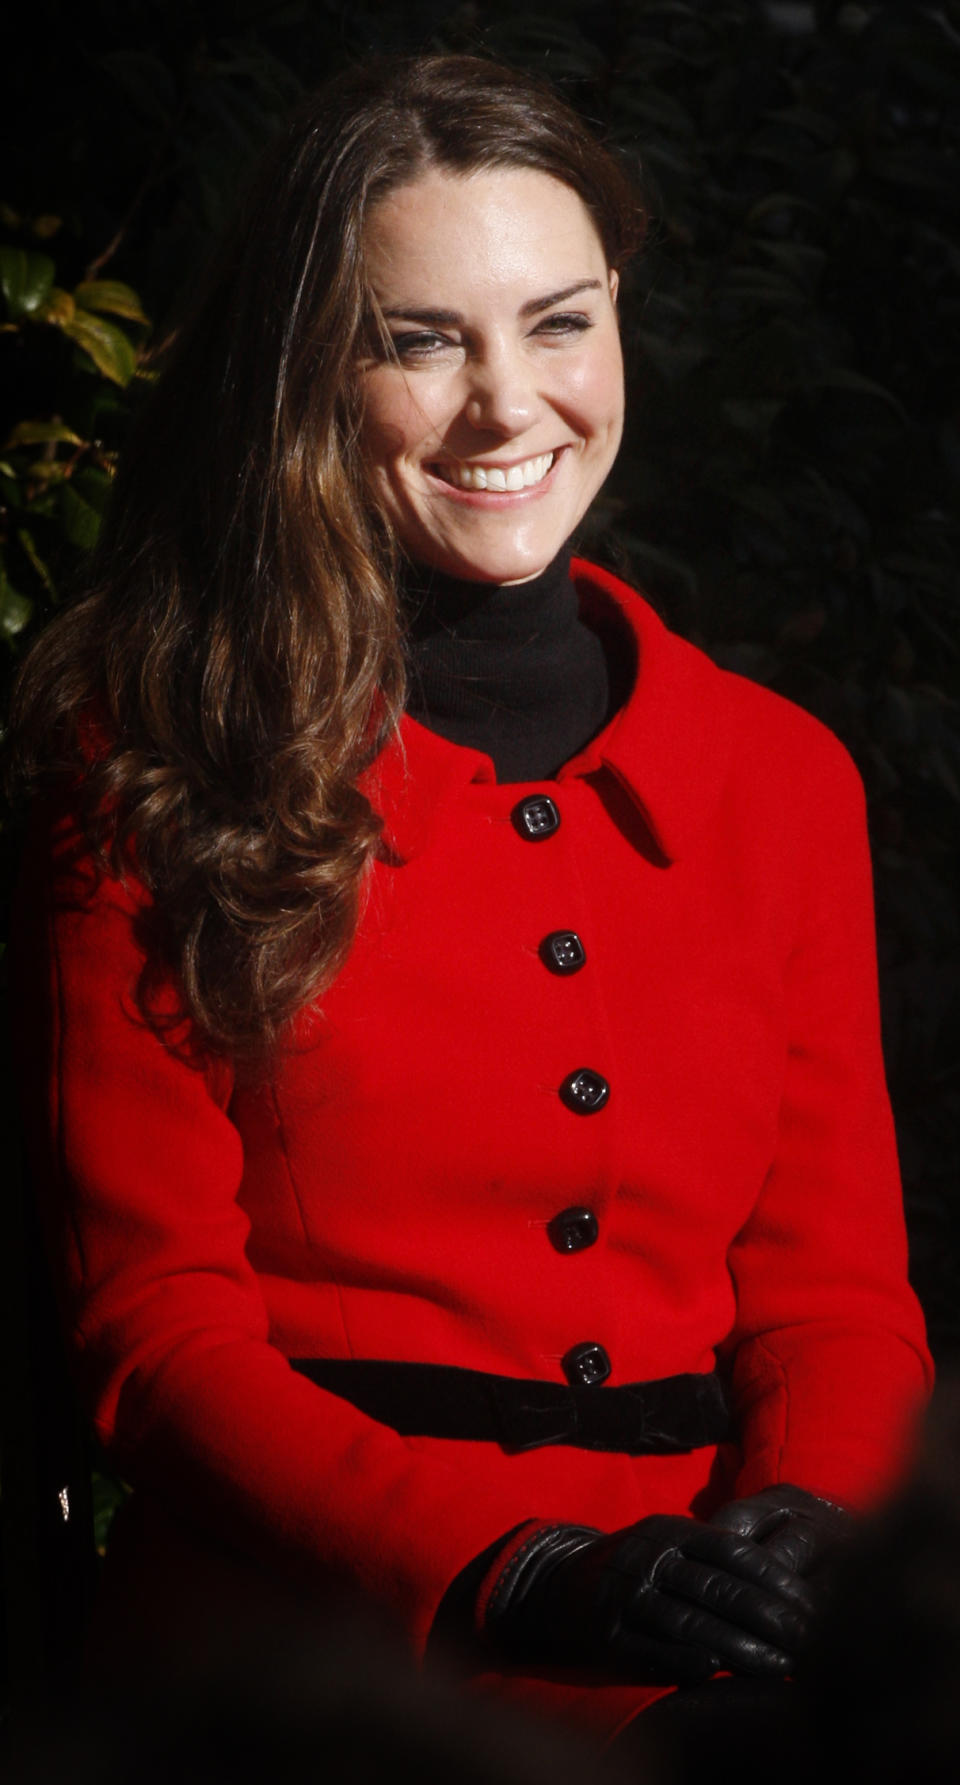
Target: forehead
[(496, 232)]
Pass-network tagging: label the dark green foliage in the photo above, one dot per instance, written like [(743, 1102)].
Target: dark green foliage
[(69, 356), (788, 489)]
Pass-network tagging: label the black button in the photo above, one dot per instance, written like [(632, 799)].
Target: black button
[(573, 1230), (584, 1091), (563, 952), (586, 1364), (536, 818)]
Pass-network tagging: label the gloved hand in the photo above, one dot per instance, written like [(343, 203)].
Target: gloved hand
[(665, 1599), (795, 1527)]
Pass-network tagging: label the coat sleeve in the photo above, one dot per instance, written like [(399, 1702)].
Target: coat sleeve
[(138, 1166), (830, 1364)]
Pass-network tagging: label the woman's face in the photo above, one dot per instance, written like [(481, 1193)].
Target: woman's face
[(493, 428)]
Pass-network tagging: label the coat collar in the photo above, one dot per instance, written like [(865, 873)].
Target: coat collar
[(667, 747)]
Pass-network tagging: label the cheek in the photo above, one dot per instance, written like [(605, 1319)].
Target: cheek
[(596, 388), (398, 420), (384, 422)]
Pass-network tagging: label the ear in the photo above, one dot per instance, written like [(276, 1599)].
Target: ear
[(614, 278)]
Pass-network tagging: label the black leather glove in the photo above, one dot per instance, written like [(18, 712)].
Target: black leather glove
[(666, 1599), (797, 1528)]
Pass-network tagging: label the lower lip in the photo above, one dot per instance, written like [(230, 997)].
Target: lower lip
[(497, 499)]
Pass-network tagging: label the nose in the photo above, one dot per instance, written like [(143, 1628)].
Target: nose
[(502, 395)]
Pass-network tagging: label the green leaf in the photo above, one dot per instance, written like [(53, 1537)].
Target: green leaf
[(803, 117), (26, 280), (147, 81), (109, 1493), (775, 202), (763, 503), (752, 415), (37, 433), (944, 771), (111, 296), (81, 520), (754, 285), (654, 557), (60, 308), (658, 156), (919, 570), (47, 471), (110, 349), (842, 378), (15, 609), (913, 169), (29, 546), (798, 260), (94, 486)]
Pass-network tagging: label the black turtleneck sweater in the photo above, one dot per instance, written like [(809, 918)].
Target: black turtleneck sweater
[(509, 669)]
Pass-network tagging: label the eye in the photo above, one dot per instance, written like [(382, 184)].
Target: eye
[(424, 344), (564, 322)]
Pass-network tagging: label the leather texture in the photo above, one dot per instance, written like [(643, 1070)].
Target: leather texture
[(800, 1529), (666, 1599)]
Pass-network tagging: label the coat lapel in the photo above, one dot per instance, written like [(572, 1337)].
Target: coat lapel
[(667, 748)]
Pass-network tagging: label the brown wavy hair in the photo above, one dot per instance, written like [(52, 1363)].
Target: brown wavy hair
[(237, 659)]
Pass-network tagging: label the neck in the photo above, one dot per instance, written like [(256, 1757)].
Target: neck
[(436, 602), (509, 669)]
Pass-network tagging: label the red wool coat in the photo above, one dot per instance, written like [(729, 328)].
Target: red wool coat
[(389, 1194)]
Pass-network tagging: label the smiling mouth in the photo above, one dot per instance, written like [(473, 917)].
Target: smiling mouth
[(496, 477)]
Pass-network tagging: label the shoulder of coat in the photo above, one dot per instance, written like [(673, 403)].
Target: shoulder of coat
[(765, 733)]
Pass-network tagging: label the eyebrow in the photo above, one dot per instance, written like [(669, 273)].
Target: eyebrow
[(452, 318)]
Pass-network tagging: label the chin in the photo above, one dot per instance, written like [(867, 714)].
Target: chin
[(486, 566), (497, 572)]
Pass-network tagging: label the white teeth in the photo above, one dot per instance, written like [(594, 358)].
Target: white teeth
[(493, 477)]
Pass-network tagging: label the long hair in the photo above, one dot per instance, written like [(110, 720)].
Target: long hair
[(236, 662)]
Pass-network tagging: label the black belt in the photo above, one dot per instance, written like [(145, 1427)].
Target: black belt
[(673, 1414)]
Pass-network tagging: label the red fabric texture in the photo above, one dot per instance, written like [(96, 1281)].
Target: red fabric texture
[(388, 1193)]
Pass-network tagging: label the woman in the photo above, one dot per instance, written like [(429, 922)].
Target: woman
[(514, 1068)]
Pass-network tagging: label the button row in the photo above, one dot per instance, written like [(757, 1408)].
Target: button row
[(584, 1091), (535, 819)]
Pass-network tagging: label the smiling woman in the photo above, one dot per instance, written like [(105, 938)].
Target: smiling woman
[(493, 410), (514, 1230)]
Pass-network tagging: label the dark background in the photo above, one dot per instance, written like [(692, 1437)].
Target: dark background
[(787, 493)]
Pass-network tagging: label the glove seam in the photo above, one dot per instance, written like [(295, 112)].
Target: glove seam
[(517, 1546), (493, 1599)]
